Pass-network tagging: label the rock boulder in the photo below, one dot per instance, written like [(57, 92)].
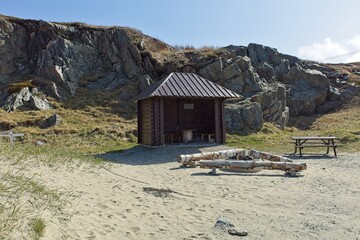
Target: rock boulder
[(244, 117)]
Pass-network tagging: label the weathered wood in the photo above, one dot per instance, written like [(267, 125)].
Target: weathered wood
[(235, 164), (267, 156), (189, 159), (11, 136), (317, 145)]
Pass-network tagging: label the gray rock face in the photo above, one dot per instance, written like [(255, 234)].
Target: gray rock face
[(16, 100), (213, 70), (244, 63), (70, 56), (25, 98), (144, 81), (273, 102), (245, 82), (13, 47), (38, 103), (265, 70), (244, 117), (259, 53), (307, 90), (51, 121)]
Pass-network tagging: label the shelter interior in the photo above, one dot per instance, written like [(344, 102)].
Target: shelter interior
[(193, 119), (180, 120)]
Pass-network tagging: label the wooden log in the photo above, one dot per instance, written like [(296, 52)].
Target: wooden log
[(267, 156), (233, 164), (189, 159)]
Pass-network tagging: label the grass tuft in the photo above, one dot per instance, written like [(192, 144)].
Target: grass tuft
[(38, 227)]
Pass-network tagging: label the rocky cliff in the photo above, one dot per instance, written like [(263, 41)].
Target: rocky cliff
[(42, 60)]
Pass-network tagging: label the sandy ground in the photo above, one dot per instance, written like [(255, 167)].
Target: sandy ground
[(142, 193)]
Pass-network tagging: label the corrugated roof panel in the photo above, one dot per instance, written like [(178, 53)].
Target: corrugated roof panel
[(178, 87), (198, 88), (187, 82), (186, 85), (173, 91), (183, 86), (200, 84)]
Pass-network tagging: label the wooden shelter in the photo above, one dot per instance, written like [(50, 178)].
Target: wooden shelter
[(182, 108)]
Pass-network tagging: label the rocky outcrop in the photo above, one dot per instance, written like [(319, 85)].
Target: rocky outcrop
[(26, 99), (124, 62), (307, 90), (244, 117), (246, 82), (16, 100), (272, 101)]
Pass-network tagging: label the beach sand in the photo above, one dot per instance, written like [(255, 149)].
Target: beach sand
[(143, 193)]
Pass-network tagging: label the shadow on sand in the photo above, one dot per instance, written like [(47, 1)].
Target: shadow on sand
[(220, 173), (142, 155), (311, 157)]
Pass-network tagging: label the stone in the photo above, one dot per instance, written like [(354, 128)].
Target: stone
[(239, 50), (292, 59), (328, 107), (144, 81), (125, 96), (244, 63), (212, 71), (302, 99), (16, 100), (51, 121), (252, 82), (306, 90), (272, 101), (282, 121), (282, 68), (223, 223), (236, 232), (259, 53), (232, 71), (38, 103), (243, 117), (245, 83), (265, 70)]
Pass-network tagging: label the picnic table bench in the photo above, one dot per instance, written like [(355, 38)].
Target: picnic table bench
[(312, 142), (11, 135)]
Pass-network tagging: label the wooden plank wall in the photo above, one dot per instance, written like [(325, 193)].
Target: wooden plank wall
[(170, 116), (157, 137), (146, 121), (219, 121)]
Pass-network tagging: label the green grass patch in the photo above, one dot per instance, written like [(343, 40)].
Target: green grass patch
[(344, 124), (38, 227), (24, 197)]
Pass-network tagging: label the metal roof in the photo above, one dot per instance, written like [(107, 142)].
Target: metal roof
[(187, 85)]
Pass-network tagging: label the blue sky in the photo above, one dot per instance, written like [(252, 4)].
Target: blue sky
[(310, 29)]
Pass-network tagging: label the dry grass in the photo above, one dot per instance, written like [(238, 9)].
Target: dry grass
[(22, 201), (352, 69), (89, 130), (16, 87), (344, 124)]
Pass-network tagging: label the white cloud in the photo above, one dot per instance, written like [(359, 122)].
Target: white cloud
[(346, 50)]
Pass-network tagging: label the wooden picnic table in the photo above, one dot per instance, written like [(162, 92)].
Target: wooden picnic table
[(312, 141), (11, 135)]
